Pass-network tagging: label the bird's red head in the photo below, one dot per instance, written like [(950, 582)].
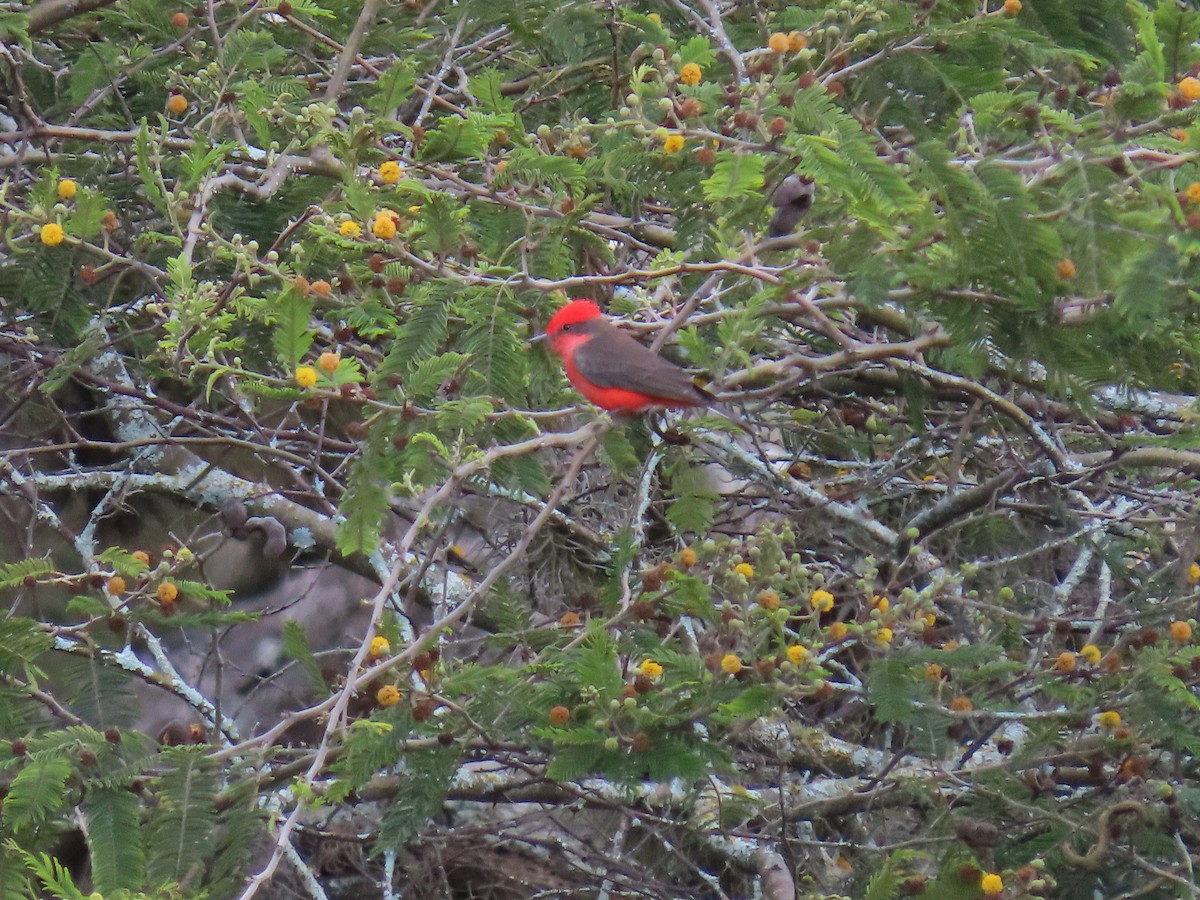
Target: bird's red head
[(569, 325)]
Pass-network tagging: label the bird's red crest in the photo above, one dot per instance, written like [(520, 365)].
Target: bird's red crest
[(574, 312)]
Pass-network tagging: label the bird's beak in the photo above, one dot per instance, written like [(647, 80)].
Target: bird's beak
[(538, 338)]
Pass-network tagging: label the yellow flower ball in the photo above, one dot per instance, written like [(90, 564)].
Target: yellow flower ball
[(673, 143), (1109, 719), (385, 225), (1192, 192), (654, 17), (1091, 654), (744, 569), (167, 593), (796, 654), (933, 672), (731, 664), (991, 883), (1066, 269), (329, 362), (837, 631), (1065, 661), (884, 636), (380, 646), (687, 557), (306, 376), (690, 74), (1181, 632), (116, 585), (350, 229), (1190, 88), (177, 104), (52, 234), (961, 704), (779, 42), (1012, 7), (796, 41), (388, 695), (821, 600), (883, 604), (389, 172), (650, 668), (67, 189), (768, 600), (1194, 573)]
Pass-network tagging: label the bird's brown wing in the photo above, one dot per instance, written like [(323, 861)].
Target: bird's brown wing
[(613, 359)]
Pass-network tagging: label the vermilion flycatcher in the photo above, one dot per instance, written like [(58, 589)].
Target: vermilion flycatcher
[(614, 371)]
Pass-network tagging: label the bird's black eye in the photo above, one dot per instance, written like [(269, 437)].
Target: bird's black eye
[(568, 326)]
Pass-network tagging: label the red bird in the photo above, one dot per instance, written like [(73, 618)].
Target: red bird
[(614, 371)]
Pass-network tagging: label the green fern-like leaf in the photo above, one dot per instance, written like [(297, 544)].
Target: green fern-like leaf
[(293, 328), (180, 826), (38, 789), (114, 839), (430, 772), (294, 640)]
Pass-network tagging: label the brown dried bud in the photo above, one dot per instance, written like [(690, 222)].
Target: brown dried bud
[(396, 286), (778, 126), (643, 684), (705, 156), (690, 108), (641, 742), (112, 736), (376, 262)]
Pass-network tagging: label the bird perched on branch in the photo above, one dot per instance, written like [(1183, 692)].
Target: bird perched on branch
[(612, 370)]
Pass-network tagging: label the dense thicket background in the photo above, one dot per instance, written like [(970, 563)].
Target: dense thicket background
[(319, 581)]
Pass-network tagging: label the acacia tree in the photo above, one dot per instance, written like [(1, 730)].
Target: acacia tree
[(320, 581)]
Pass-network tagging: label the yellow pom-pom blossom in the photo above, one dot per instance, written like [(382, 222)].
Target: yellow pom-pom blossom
[(385, 225), (350, 229), (779, 42), (167, 592), (1012, 7), (769, 600), (116, 585), (690, 74), (796, 41), (1181, 632), (687, 557), (389, 172), (177, 104), (821, 600), (991, 884), (1109, 719), (52, 234), (1091, 654), (388, 695), (673, 143), (837, 630), (933, 672), (883, 604), (796, 654), (306, 376), (884, 636), (744, 569), (1192, 192), (67, 189), (1065, 661), (329, 362), (1190, 88), (380, 646), (1194, 573), (731, 664), (650, 668)]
